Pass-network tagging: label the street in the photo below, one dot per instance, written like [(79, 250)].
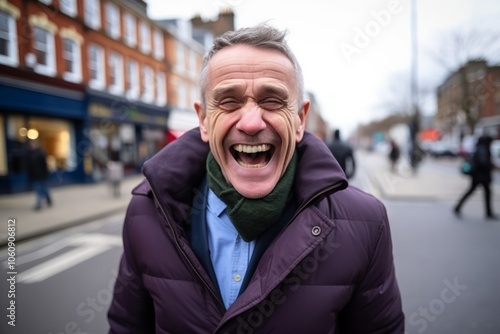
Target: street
[(448, 268)]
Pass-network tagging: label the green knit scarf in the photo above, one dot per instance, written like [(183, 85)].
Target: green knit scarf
[(249, 216)]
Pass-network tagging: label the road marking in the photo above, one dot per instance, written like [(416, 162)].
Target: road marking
[(87, 246), (60, 263)]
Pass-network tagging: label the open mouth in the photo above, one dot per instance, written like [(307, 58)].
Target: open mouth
[(252, 156)]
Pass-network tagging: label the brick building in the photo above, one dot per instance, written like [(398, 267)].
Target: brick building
[(88, 79), (477, 85)]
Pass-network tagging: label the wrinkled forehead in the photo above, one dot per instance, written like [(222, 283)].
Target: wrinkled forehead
[(246, 62)]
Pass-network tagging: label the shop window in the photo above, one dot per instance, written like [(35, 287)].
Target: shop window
[(93, 14), (68, 7), (130, 30), (96, 67), (8, 39), (112, 20), (44, 51), (72, 62), (115, 73), (145, 38)]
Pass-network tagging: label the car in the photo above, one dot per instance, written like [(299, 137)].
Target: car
[(440, 149)]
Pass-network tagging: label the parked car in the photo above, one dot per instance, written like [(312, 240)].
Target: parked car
[(440, 149)]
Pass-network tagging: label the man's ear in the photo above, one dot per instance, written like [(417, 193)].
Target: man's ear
[(202, 119), (302, 120)]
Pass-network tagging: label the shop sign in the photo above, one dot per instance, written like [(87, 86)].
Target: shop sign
[(99, 110)]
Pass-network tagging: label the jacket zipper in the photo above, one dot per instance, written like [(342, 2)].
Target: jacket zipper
[(299, 210), (219, 303)]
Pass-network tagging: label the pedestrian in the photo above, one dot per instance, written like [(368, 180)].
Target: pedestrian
[(480, 174), (247, 223), (342, 151), (115, 172), (38, 173), (394, 154)]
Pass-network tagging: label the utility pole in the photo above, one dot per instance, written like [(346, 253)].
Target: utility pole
[(415, 152)]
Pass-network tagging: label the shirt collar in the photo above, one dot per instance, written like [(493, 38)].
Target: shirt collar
[(215, 204)]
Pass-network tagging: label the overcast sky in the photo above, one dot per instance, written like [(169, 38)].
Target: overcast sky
[(356, 55)]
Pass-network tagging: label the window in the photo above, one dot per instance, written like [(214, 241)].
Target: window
[(130, 30), (96, 67), (115, 73), (158, 39), (132, 80), (47, 2), (182, 96), (93, 13), (180, 63), (192, 63), (148, 84), (112, 20), (161, 89), (71, 58), (8, 40), (68, 7), (145, 38), (44, 52), (194, 94)]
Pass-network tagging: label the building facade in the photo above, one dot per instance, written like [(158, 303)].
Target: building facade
[(477, 86), (91, 80)]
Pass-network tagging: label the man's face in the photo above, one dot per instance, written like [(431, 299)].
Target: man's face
[(251, 118)]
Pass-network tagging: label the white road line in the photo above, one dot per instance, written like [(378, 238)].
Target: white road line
[(60, 263)]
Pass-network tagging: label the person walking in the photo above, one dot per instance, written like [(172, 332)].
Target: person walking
[(480, 174), (38, 173), (343, 153), (394, 154), (247, 223)]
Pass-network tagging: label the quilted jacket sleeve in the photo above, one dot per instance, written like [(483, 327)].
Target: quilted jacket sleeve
[(375, 306), (131, 310)]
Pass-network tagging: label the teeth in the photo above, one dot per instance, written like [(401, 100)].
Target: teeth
[(252, 166), (252, 149)]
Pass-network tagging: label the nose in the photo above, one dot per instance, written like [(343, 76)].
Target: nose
[(251, 121)]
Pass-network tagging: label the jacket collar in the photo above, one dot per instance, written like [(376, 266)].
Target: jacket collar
[(176, 172)]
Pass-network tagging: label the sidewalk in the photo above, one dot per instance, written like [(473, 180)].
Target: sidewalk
[(72, 205), (435, 180)]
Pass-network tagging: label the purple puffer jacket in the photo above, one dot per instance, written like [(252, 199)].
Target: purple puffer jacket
[(329, 271)]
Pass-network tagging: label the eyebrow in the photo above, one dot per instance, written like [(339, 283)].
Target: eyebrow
[(273, 90), (230, 89)]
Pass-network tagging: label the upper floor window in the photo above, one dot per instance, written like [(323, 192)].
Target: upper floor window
[(192, 63), (68, 7), (93, 13), (130, 30), (145, 37), (47, 2), (182, 95), (132, 80), (43, 45), (180, 57), (112, 20), (96, 67), (72, 60), (8, 40), (161, 89), (148, 84), (115, 73), (158, 47)]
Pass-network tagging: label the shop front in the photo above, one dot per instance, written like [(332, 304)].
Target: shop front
[(54, 118), (120, 130)]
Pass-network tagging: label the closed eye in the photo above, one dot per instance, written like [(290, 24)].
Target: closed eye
[(271, 104), (230, 104)]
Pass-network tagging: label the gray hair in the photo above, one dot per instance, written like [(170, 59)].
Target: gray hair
[(261, 36)]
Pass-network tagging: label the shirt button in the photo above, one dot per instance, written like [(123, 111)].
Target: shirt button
[(237, 277), (316, 230)]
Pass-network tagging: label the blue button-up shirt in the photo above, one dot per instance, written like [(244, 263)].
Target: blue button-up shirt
[(230, 254)]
